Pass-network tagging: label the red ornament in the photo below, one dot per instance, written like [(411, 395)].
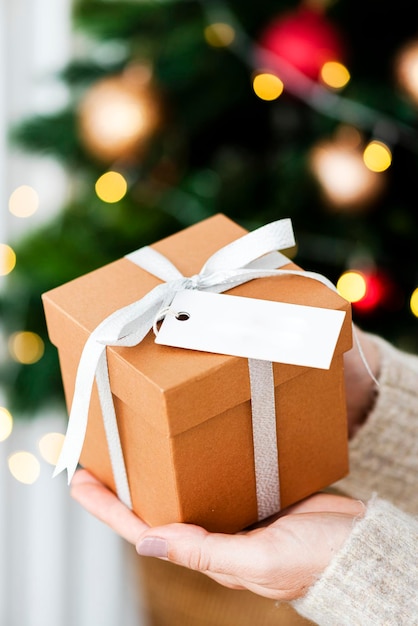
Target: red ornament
[(381, 293), (304, 39)]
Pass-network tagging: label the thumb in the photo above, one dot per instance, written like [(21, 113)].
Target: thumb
[(268, 561), (195, 548)]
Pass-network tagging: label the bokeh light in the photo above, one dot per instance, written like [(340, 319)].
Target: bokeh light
[(334, 74), (118, 115), (413, 303), (377, 156), (377, 292), (26, 347), (267, 86), (25, 467), (345, 180), (24, 201), (352, 286), (50, 447), (6, 423), (219, 35), (111, 187), (7, 259), (406, 69)]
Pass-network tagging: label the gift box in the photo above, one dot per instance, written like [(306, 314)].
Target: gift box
[(184, 417)]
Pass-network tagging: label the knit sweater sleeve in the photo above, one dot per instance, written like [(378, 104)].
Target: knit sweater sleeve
[(384, 453), (374, 578)]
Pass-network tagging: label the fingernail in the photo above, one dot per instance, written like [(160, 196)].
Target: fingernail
[(152, 546)]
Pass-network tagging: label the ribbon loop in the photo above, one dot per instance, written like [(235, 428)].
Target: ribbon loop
[(155, 263), (258, 243)]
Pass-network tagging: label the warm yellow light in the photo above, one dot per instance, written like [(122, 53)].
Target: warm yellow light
[(50, 447), (117, 115), (6, 424), (406, 67), (414, 302), (345, 180), (111, 187), (219, 35), (26, 347), (377, 156), (25, 467), (24, 201), (352, 286), (7, 259), (335, 74), (267, 86)]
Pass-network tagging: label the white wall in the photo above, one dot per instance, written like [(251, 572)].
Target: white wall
[(58, 565)]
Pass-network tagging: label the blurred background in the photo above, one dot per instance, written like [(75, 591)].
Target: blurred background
[(124, 121)]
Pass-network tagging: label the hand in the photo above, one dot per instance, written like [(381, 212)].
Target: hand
[(360, 387), (279, 560)]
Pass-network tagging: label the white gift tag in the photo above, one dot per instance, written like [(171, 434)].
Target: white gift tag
[(252, 328)]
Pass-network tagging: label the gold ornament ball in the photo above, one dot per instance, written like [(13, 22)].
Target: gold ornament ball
[(118, 115)]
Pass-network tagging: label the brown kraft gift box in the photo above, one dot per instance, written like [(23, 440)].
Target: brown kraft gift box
[(184, 416)]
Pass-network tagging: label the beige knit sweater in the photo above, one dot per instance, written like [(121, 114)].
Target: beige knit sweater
[(373, 580)]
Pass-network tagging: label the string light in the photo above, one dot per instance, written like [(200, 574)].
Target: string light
[(406, 69), (111, 187), (413, 303), (50, 447), (345, 180), (26, 347), (352, 286), (334, 74), (24, 201), (25, 467), (371, 289), (118, 114), (377, 156), (219, 35), (7, 259), (6, 424), (374, 296), (267, 86)]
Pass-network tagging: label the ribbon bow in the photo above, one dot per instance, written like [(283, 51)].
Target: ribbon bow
[(254, 255)]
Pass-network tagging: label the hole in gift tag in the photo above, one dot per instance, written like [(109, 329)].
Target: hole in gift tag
[(182, 316)]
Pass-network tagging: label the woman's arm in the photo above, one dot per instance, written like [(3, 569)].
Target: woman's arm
[(384, 449)]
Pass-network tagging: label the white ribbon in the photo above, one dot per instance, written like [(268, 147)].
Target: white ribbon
[(266, 455), (255, 255)]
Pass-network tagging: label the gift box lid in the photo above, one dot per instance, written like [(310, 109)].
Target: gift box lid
[(166, 384)]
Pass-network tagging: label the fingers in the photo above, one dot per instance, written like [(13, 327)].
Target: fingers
[(271, 561), (103, 504), (242, 561), (318, 503), (260, 562), (195, 548)]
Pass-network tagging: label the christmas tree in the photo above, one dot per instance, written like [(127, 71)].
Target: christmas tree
[(180, 110)]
